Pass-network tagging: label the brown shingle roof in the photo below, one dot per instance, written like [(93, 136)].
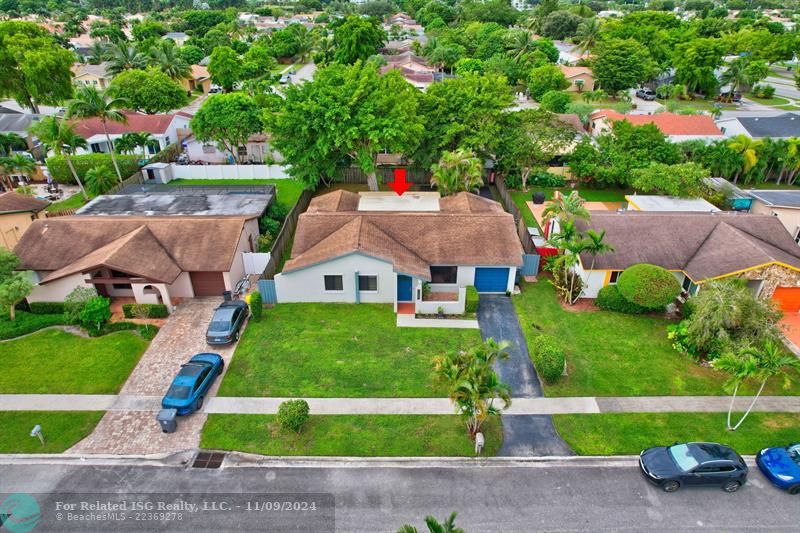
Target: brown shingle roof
[(468, 230), (154, 247), (703, 245), (12, 202)]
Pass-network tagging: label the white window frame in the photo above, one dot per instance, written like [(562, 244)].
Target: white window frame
[(367, 275), (610, 276), (332, 291)]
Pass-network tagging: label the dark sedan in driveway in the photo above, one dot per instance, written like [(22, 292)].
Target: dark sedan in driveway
[(228, 319), (693, 463), (189, 388)]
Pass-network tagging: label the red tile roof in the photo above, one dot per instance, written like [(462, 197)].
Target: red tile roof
[(668, 123), (155, 124)]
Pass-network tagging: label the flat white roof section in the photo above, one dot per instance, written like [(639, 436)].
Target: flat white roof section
[(643, 202), (390, 201)]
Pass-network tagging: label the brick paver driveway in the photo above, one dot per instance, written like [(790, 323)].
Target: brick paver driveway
[(130, 427)]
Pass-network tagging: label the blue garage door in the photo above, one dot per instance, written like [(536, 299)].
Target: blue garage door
[(491, 279)]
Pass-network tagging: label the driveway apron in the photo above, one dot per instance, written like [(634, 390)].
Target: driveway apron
[(523, 435), (123, 431)]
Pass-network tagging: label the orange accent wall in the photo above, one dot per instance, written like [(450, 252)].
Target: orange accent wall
[(787, 298)]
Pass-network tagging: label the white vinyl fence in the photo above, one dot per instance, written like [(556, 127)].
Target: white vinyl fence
[(216, 172), (255, 263)]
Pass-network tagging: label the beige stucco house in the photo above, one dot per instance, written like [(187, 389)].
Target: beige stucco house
[(779, 203), (17, 213), (574, 74), (92, 75)]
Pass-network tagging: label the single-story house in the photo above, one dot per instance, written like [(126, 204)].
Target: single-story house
[(677, 128), (166, 129), (18, 123), (783, 204), (200, 79), (383, 248), (257, 150), (696, 248), (179, 37), (17, 213), (414, 69), (782, 126), (579, 78), (92, 75), (152, 259), (652, 202)]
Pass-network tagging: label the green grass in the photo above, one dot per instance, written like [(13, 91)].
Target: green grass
[(630, 433), (694, 105), (521, 198), (338, 350), (350, 435), (614, 354), (57, 362), (25, 323), (61, 430), (73, 202), (605, 103), (774, 101), (288, 190)]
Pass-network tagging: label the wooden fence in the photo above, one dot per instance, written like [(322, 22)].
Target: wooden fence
[(385, 174), (133, 179), (511, 207), (281, 248), (64, 213)]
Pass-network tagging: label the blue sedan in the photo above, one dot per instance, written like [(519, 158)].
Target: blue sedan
[(781, 465), (192, 383)]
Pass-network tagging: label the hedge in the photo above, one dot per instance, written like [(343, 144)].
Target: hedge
[(548, 357), (59, 170), (256, 305), (46, 308), (26, 323), (610, 299), (648, 286), (471, 305), (154, 310)]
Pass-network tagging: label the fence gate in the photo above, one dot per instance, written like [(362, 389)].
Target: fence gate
[(267, 289), (530, 264)]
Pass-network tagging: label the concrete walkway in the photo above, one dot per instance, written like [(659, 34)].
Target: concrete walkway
[(408, 321), (403, 406)]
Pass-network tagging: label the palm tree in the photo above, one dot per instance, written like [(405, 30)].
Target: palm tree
[(9, 141), (91, 103), (565, 208), (588, 34), (14, 164), (129, 142), (98, 52), (791, 160), (748, 149), (306, 41), (434, 526), (521, 44), (122, 57), (166, 58), (595, 245), (762, 364), (59, 136), (457, 171), (99, 180)]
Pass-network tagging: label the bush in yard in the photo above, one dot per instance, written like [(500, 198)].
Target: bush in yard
[(293, 414), (471, 305), (265, 243), (609, 299), (649, 286), (59, 170), (277, 211), (46, 308), (76, 301), (150, 310), (555, 101), (269, 225), (548, 357), (256, 305), (513, 181), (95, 314), (544, 178)]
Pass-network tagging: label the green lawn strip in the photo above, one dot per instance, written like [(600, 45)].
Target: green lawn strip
[(57, 362), (772, 185), (73, 202), (61, 430), (774, 101), (614, 354), (338, 350), (26, 323), (630, 433), (288, 190), (350, 435)]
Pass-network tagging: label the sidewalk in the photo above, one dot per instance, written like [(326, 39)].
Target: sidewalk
[(403, 406)]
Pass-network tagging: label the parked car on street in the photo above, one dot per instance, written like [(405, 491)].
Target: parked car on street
[(693, 463), (227, 321), (188, 389), (728, 97), (215, 89), (646, 94), (781, 465)]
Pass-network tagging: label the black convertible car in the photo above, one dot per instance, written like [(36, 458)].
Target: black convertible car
[(693, 463)]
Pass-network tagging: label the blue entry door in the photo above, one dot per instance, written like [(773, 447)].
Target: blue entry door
[(491, 279), (404, 288)]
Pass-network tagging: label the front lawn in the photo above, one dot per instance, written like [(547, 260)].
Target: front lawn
[(614, 354), (25, 323), (57, 362), (338, 350), (288, 191), (350, 435), (61, 430), (773, 101), (630, 433)]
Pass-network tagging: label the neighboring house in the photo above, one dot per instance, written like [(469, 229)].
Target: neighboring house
[(179, 37), (165, 129), (152, 259), (414, 69), (381, 248), (677, 128), (783, 126), (18, 123), (579, 78), (200, 79), (783, 204), (92, 75), (257, 150), (696, 248), (17, 213), (187, 203), (650, 203)]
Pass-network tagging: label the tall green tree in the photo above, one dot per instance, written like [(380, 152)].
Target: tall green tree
[(122, 57), (357, 39), (684, 180), (696, 63), (34, 70), (621, 64), (225, 67), (167, 58), (345, 112), (456, 172), (59, 136), (150, 91), (229, 120)]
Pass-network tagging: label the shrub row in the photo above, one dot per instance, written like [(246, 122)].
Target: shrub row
[(46, 308), (152, 310), (59, 170), (26, 323), (610, 299), (471, 305), (548, 357)]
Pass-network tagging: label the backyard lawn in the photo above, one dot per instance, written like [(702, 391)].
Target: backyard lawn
[(73, 202), (61, 430), (338, 350), (614, 354), (350, 435), (57, 362), (288, 190), (521, 198), (630, 433)]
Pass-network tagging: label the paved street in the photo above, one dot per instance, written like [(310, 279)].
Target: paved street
[(579, 495)]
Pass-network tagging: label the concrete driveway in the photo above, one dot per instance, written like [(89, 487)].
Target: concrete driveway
[(130, 426), (523, 435)]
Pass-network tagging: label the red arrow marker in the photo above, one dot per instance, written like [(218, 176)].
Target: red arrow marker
[(399, 185)]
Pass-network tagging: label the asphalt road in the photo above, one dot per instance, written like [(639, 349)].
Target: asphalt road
[(511, 498)]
